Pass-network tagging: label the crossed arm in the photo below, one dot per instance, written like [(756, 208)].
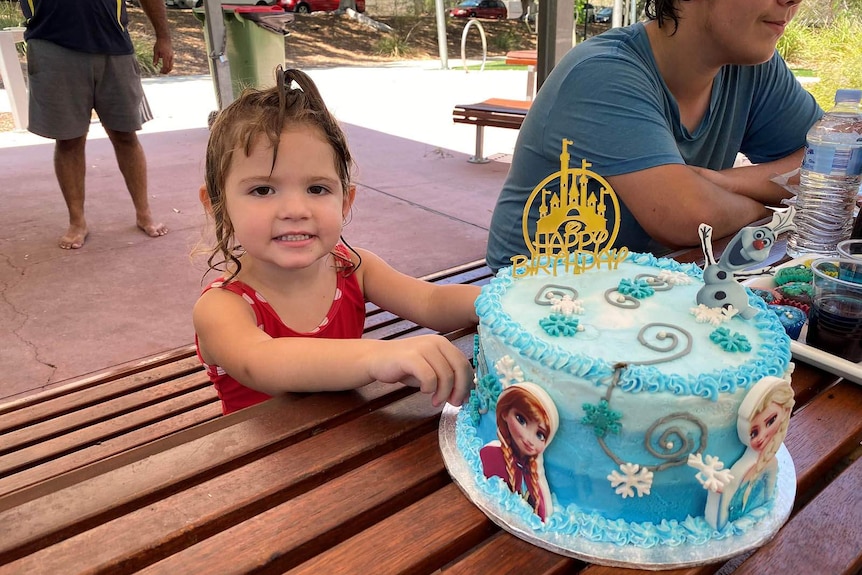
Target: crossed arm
[(671, 201)]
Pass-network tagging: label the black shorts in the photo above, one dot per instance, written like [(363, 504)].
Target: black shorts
[(66, 86)]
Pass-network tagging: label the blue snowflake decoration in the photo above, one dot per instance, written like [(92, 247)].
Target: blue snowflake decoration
[(488, 389), (602, 418), (730, 342), (557, 325), (637, 288)]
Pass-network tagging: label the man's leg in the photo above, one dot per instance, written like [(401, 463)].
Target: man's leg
[(133, 166), (70, 169)]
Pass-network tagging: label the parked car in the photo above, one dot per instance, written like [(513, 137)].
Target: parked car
[(603, 15), (479, 9), (306, 6), (199, 3)]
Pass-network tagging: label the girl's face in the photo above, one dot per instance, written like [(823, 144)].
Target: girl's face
[(765, 425), (530, 436), (289, 215)]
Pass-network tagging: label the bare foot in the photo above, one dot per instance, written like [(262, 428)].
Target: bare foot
[(74, 238), (151, 228)]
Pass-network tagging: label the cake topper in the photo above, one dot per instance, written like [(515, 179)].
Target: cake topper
[(749, 246), (572, 231)]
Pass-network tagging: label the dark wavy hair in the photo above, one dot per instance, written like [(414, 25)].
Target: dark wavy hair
[(294, 100), (663, 10)]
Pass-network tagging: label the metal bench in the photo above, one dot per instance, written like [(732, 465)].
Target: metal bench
[(495, 113)]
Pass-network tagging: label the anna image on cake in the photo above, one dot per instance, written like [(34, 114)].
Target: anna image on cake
[(762, 424), (527, 420)]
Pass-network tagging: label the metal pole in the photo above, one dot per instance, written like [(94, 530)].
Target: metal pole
[(441, 34), (617, 17), (555, 29), (215, 30)]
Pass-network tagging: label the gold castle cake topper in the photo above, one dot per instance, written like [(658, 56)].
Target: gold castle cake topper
[(572, 232)]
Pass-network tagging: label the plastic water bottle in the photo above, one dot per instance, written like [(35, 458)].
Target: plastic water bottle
[(829, 179)]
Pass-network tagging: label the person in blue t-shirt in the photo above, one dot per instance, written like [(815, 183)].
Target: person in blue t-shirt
[(661, 109), (79, 59)]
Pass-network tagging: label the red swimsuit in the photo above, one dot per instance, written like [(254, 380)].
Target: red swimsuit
[(344, 320)]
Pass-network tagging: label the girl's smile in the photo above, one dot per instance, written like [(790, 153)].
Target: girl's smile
[(288, 213)]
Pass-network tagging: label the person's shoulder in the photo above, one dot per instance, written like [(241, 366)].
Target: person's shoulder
[(219, 300), (619, 52), (616, 43)]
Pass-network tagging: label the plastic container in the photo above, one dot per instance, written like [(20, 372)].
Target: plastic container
[(829, 179), (253, 51)]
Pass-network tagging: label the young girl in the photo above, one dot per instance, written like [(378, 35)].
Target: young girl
[(527, 420), (289, 311)]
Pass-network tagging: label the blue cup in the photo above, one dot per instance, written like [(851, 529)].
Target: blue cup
[(852, 250)]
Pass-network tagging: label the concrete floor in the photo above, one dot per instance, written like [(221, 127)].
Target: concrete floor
[(420, 205)]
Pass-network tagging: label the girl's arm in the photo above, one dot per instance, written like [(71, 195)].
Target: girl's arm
[(229, 337), (438, 307)]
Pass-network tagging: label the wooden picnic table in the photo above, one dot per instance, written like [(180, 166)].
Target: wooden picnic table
[(522, 57), (354, 482)]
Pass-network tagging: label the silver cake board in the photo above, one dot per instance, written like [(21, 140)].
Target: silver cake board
[(654, 558)]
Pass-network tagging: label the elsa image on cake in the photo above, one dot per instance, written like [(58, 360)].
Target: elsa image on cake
[(762, 423), (527, 420)]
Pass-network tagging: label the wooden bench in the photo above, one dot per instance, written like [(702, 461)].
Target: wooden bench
[(103, 414), (495, 113)]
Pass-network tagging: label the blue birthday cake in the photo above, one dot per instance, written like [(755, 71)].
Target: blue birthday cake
[(625, 399)]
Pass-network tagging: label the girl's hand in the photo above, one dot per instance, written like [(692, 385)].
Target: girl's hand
[(429, 362)]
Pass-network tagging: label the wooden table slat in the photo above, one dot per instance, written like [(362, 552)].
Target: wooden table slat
[(52, 404), (66, 463), (175, 495), (823, 432), (91, 422), (511, 556), (431, 533), (824, 537), (300, 528)]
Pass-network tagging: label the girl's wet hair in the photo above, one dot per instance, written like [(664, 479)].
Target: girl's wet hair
[(294, 101), (662, 10)]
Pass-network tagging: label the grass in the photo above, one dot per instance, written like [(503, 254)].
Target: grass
[(494, 65), (829, 51)]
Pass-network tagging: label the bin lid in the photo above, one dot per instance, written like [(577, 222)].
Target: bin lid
[(278, 22)]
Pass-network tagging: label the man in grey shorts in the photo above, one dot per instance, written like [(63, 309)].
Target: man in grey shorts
[(80, 58)]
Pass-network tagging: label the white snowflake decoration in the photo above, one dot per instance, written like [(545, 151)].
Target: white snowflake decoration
[(633, 478), (710, 472), (509, 372), (713, 315), (674, 278), (567, 306)]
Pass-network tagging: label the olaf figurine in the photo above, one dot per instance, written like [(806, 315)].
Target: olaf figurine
[(749, 246)]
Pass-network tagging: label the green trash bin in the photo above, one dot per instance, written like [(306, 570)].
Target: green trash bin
[(255, 44)]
